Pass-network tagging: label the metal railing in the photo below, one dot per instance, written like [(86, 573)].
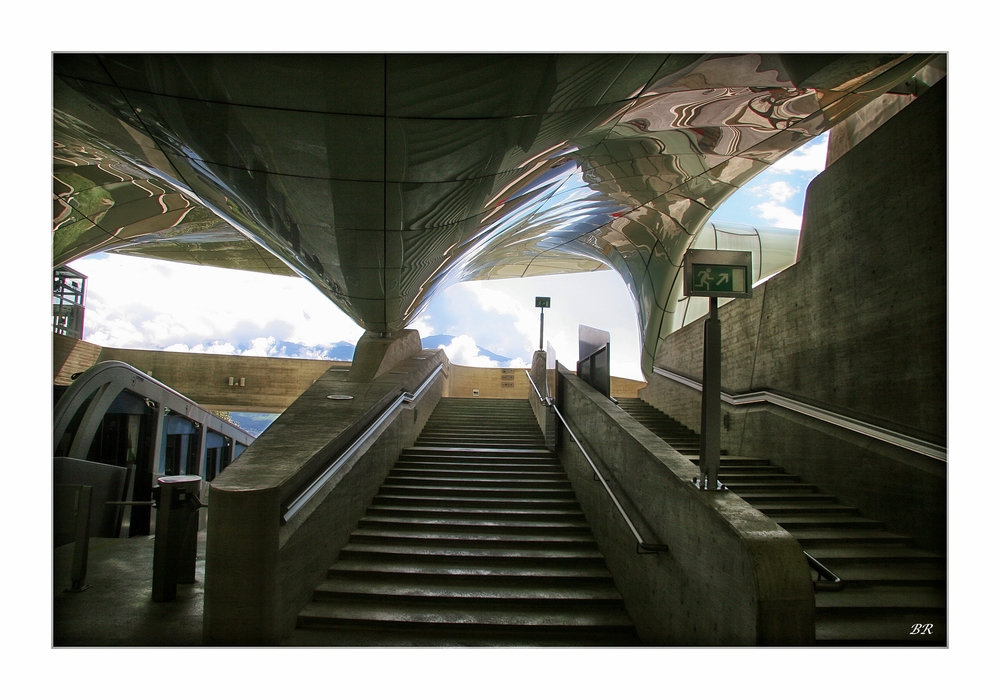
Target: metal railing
[(927, 449), (641, 545), (828, 581), (307, 494)]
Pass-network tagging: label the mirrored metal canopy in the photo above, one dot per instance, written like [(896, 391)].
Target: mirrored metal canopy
[(384, 178)]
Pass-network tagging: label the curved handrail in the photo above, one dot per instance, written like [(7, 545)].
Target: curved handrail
[(640, 544), (927, 449), (307, 494)]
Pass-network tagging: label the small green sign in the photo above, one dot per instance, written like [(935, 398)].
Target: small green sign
[(543, 302), (718, 278)]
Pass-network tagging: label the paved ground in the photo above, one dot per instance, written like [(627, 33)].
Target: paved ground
[(118, 608)]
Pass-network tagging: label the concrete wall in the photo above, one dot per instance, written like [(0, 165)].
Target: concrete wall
[(70, 356), (259, 574), (271, 383), (731, 577), (857, 327)]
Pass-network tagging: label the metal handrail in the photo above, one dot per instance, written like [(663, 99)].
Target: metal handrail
[(640, 544), (299, 502), (832, 582), (927, 449)]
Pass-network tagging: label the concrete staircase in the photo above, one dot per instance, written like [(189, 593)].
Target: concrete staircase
[(890, 585), (475, 538)]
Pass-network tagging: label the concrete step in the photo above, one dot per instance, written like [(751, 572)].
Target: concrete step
[(928, 600), (568, 512), (736, 479), (470, 624), (496, 445), (737, 470), (456, 548), (734, 460), (510, 482), (475, 537), (783, 497), (794, 523), (456, 472), (362, 585), (466, 492), (481, 465), (834, 555), (486, 536), (888, 573), (881, 629), (436, 525), (468, 612), (776, 510), (471, 502), (532, 567), (751, 487), (810, 538)]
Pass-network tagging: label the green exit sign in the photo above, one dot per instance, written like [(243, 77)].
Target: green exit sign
[(719, 278), (718, 273), (543, 302)]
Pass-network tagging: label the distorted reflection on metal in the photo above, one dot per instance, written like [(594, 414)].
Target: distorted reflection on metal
[(383, 179)]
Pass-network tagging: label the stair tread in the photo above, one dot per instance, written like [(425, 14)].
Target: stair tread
[(832, 552), (465, 612), (449, 538), (463, 549), (883, 597), (588, 568), (881, 628), (818, 519), (832, 535), (598, 589)]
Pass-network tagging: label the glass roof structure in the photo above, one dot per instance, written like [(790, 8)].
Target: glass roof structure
[(382, 179)]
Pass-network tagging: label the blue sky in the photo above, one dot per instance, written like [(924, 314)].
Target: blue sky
[(232, 312)]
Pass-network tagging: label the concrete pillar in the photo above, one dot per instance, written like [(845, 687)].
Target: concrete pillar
[(376, 354)]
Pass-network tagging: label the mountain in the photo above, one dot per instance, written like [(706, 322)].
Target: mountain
[(335, 351)]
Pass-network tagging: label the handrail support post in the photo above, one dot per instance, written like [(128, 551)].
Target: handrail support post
[(711, 399)]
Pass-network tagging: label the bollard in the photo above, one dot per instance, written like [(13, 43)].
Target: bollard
[(176, 545)]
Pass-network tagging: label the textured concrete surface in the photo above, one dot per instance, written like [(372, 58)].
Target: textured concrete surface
[(261, 573), (858, 327), (118, 608), (731, 577)]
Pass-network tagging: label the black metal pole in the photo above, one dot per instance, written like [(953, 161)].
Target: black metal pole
[(541, 328), (711, 397)]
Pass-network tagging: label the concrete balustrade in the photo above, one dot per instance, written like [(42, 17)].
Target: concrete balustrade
[(731, 577), (259, 573)]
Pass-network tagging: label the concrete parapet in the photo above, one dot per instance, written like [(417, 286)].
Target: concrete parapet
[(260, 573), (731, 577)]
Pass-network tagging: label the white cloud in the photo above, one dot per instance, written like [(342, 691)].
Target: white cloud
[(779, 216), (261, 347), (781, 191), (147, 304), (422, 326), (463, 351), (808, 158)]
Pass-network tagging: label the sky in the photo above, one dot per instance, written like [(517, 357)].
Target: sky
[(202, 309)]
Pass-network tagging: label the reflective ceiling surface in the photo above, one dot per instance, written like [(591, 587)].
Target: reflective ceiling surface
[(384, 178)]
